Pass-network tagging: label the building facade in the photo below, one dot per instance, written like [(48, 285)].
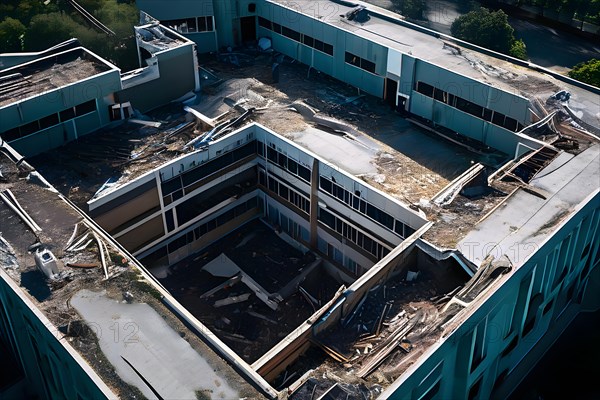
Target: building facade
[(61, 95)]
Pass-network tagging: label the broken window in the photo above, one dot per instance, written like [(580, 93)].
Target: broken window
[(425, 89)]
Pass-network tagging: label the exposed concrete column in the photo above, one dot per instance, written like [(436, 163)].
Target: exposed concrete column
[(314, 203)]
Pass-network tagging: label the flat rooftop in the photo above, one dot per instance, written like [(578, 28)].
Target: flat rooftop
[(389, 29), (52, 72), (512, 201), (83, 293), (386, 151), (406, 161)]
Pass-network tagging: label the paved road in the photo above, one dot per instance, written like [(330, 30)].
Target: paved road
[(547, 47)]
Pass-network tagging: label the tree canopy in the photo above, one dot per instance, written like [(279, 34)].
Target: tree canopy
[(588, 72), (489, 29), (583, 9), (11, 32), (29, 25), (411, 8)]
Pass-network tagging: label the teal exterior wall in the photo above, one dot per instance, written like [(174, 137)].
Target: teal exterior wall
[(227, 19), (479, 93), (51, 370), (96, 90), (177, 77), (508, 104), (541, 296), (342, 42)]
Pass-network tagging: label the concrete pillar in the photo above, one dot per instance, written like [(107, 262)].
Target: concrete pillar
[(314, 203)]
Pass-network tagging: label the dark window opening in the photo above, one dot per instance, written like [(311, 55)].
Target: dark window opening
[(308, 40), (265, 23), (474, 391), (30, 128), (49, 121), (498, 119), (425, 89), (11, 134), (67, 114), (439, 95), (85, 108), (170, 220), (510, 124)]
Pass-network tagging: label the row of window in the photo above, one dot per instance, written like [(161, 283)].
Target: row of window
[(360, 205), (49, 121), (362, 240), (172, 189), (336, 255), (191, 25), (234, 187), (296, 36), (209, 226), (291, 227), (360, 62), (298, 199), (468, 107), (283, 161)]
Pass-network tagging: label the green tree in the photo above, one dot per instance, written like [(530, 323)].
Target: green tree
[(489, 29), (46, 30), (11, 31), (518, 49), (588, 72), (414, 9)]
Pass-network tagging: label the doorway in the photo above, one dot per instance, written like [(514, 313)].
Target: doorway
[(248, 27), (391, 89)]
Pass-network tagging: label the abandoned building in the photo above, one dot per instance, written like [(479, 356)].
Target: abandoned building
[(394, 214)]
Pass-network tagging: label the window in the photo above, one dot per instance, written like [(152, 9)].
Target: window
[(292, 166), (205, 24), (265, 23), (425, 89), (67, 114), (352, 59), (85, 108), (49, 121), (367, 65), (360, 62), (304, 173), (498, 118), (30, 128), (11, 134), (186, 25), (290, 33), (440, 95), (510, 124), (464, 105), (308, 40), (170, 220), (487, 114), (191, 25)]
